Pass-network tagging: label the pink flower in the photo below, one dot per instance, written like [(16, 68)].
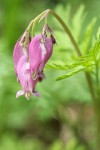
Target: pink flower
[(25, 79), (30, 58), (40, 51)]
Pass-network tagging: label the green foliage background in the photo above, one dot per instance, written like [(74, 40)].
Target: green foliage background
[(53, 121)]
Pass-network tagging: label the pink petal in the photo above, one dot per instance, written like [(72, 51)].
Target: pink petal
[(35, 93), (24, 76), (17, 53), (40, 51), (21, 71), (20, 93), (35, 56)]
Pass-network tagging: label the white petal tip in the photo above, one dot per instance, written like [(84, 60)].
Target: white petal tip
[(19, 93)]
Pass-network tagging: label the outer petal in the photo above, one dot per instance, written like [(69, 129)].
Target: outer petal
[(17, 53), (35, 93), (19, 93), (49, 48), (21, 71), (40, 50), (35, 55), (24, 76)]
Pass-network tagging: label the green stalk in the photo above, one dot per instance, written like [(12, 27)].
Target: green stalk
[(36, 20), (97, 105), (97, 115), (66, 30)]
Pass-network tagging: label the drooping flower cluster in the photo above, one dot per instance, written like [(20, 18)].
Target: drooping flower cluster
[(30, 57)]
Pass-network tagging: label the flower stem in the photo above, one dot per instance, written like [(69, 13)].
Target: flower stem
[(66, 30), (36, 20)]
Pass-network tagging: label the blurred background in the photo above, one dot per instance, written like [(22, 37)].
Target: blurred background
[(62, 118)]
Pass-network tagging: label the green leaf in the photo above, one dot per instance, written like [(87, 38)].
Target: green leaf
[(87, 35), (83, 61), (57, 66), (95, 51), (79, 16), (70, 73)]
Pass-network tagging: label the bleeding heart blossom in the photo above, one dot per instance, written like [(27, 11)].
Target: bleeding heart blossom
[(29, 61), (40, 50), (25, 79)]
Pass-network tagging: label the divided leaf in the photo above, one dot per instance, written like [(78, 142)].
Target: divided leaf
[(70, 73), (95, 51), (87, 36)]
